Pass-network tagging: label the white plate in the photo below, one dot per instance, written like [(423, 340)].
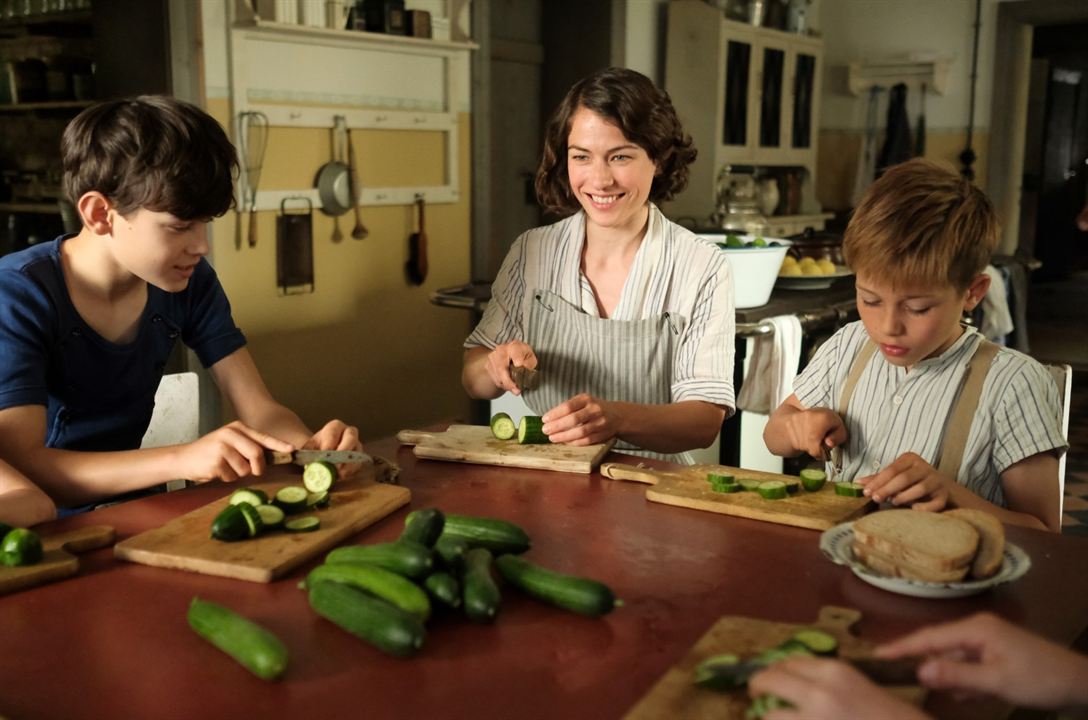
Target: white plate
[(837, 544), (811, 282)]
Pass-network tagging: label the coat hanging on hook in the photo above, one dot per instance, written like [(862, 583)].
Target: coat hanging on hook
[(897, 141), (920, 134)]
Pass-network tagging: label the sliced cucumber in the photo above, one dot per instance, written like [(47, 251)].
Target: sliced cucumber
[(253, 496), (319, 476), (764, 704), (721, 479), (503, 427), (722, 673), (292, 499), (529, 431), (820, 642), (793, 485), (750, 484), (772, 490), (302, 524), (813, 479), (20, 546), (231, 524), (726, 487), (271, 516), (252, 517), (849, 489), (318, 499)]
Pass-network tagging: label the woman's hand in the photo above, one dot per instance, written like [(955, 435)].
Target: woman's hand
[(500, 359), (909, 480), (233, 451), (815, 431), (582, 420), (337, 435), (823, 689)]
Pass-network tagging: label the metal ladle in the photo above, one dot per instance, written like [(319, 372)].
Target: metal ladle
[(359, 231)]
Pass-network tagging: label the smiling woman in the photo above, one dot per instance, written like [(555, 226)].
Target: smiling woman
[(627, 316)]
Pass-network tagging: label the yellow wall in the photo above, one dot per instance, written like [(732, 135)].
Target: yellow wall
[(837, 160), (366, 346)]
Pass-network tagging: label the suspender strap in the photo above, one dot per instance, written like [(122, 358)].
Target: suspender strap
[(963, 411), (860, 361)]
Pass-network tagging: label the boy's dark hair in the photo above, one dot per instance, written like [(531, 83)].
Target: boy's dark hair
[(921, 223), (154, 152), (643, 113)]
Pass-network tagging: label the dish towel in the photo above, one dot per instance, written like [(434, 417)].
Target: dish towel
[(996, 318), (774, 364)]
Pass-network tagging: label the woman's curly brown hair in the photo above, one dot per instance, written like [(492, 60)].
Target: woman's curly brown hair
[(643, 113)]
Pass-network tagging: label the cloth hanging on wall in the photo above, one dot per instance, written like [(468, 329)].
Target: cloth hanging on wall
[(866, 169), (920, 135), (898, 146)]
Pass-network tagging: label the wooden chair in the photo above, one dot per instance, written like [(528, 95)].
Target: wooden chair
[(1063, 376), (176, 418)]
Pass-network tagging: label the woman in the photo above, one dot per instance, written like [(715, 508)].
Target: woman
[(627, 316)]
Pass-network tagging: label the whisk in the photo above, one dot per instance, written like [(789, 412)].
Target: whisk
[(252, 141)]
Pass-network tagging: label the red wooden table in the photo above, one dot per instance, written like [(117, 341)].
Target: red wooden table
[(113, 641)]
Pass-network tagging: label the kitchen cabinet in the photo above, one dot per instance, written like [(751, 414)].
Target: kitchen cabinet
[(749, 96)]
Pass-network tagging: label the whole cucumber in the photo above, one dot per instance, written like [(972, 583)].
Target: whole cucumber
[(577, 594), (254, 647), (444, 588), (389, 586), (498, 536), (479, 592), (424, 527), (406, 558), (368, 618)]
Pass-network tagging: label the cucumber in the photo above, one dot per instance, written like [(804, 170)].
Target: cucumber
[(720, 479), (529, 431), (726, 488), (252, 518), (404, 558), (498, 536), (772, 490), (302, 524), (231, 524), (503, 427), (793, 485), (849, 489), (750, 484), (4, 529), (19, 547), (425, 527), (763, 704), (253, 496), (580, 595), (254, 647), (319, 476), (812, 479), (479, 593), (271, 516), (817, 641), (368, 618), (318, 499), (291, 499), (389, 586), (722, 673), (451, 551), (444, 588)]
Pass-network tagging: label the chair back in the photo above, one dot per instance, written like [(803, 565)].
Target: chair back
[(1063, 376), (176, 418)]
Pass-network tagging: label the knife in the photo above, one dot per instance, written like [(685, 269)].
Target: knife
[(525, 378), (729, 674), (304, 457)]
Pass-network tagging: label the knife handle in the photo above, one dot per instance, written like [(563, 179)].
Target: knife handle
[(413, 437), (273, 457), (622, 471)]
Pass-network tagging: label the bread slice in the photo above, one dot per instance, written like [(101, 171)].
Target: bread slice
[(991, 549), (925, 541), (896, 567)]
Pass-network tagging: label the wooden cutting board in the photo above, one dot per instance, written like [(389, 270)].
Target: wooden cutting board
[(675, 695), (57, 561), (688, 487), (476, 444), (185, 543)]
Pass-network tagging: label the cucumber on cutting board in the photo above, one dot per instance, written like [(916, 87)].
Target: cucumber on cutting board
[(529, 431), (254, 647), (503, 427)]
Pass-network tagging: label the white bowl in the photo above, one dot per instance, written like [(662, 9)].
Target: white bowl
[(755, 269)]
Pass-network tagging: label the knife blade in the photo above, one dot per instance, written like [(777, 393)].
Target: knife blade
[(304, 457), (525, 378), (833, 457), (731, 675)]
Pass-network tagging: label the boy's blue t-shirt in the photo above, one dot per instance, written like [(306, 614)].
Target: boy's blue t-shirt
[(98, 395)]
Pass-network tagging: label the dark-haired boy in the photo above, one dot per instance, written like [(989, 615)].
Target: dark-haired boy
[(88, 321), (928, 413)]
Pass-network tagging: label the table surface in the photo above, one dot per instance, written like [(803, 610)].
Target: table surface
[(113, 641)]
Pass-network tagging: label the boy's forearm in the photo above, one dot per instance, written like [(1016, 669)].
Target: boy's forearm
[(280, 422), (776, 435)]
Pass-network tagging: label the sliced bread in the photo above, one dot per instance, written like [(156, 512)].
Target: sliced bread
[(896, 567), (991, 549), (926, 541)]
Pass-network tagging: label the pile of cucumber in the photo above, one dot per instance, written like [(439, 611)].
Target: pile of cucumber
[(528, 431), (250, 511), (385, 593), (811, 479), (725, 673), (19, 546)]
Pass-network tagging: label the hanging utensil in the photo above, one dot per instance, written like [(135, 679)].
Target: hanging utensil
[(294, 247), (333, 177), (359, 232), (416, 266), (253, 139)]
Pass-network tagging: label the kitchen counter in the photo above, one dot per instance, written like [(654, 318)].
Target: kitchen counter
[(113, 642)]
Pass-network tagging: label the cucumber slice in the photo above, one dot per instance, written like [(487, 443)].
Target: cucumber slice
[(271, 516), (249, 495), (318, 499), (720, 487), (793, 485), (230, 524), (750, 484), (318, 476), (291, 499), (529, 431), (302, 524), (252, 518), (20, 547), (813, 479), (503, 427), (850, 489), (722, 673), (772, 490), (817, 641), (720, 479)]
